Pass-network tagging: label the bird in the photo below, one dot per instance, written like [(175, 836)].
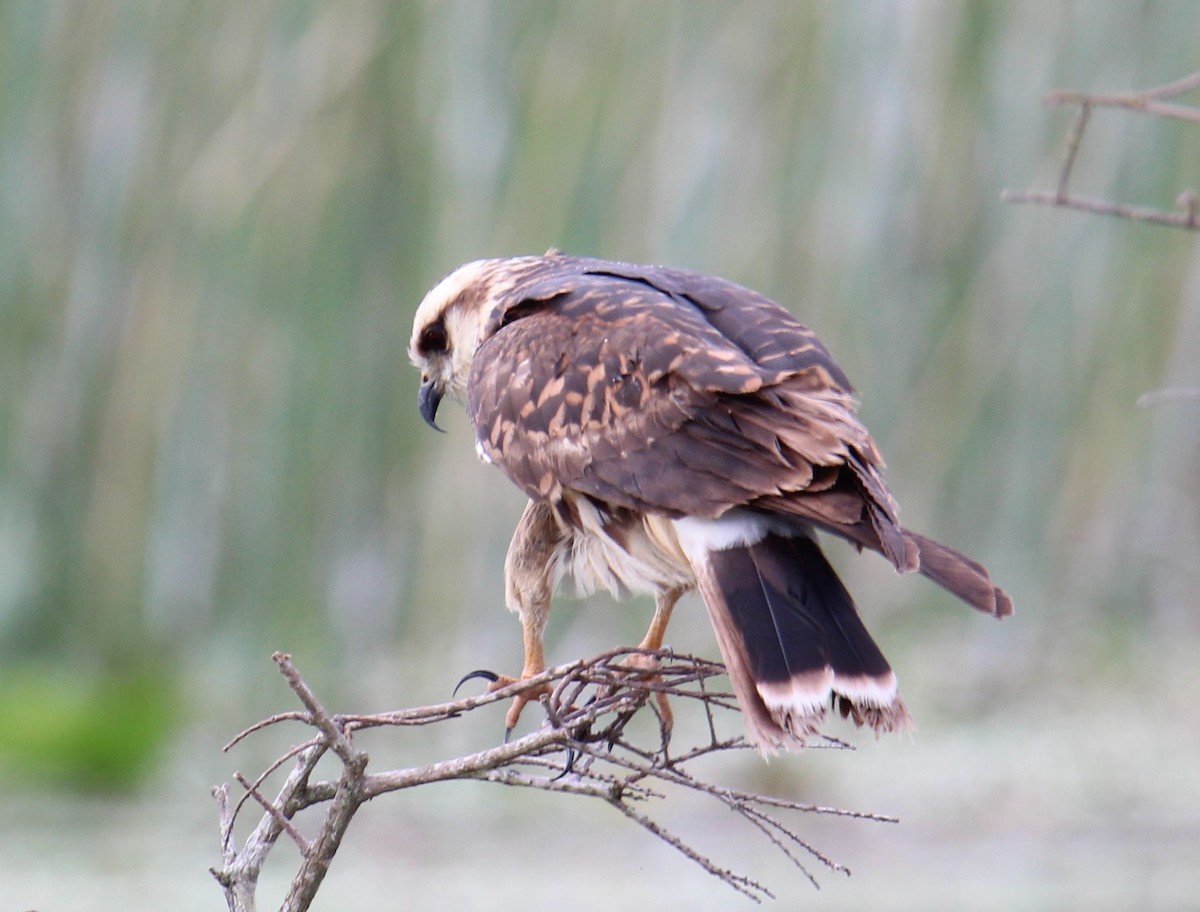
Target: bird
[(678, 432)]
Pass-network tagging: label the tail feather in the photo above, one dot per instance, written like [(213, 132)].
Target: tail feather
[(793, 641), (959, 575)]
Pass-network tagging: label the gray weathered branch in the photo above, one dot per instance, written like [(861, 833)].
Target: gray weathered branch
[(583, 749)]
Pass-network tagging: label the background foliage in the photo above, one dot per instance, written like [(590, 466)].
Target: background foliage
[(217, 219)]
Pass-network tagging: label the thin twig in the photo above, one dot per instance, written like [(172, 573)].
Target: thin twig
[(252, 791), (1131, 101), (1178, 87), (239, 872), (298, 749), (1171, 394), (293, 716), (334, 735), (1149, 101), (1072, 149), (766, 820), (225, 817), (744, 885), (1146, 100), (761, 821), (1184, 220)]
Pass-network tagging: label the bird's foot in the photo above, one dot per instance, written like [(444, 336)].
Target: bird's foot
[(499, 682), (643, 668)]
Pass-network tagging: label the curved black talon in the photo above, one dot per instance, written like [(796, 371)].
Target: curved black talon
[(570, 764), (614, 730), (482, 673)]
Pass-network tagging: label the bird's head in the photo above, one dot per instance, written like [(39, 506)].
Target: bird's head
[(447, 329), (452, 322)]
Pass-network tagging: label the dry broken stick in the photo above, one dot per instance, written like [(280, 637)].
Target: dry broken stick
[(1171, 394), (1155, 102), (585, 748)]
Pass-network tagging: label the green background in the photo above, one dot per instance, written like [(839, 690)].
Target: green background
[(216, 221)]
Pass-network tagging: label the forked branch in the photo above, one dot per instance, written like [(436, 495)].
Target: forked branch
[(1154, 102), (585, 748)]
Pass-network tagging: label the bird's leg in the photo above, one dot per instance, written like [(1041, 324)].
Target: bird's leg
[(664, 604), (533, 625), (528, 587)]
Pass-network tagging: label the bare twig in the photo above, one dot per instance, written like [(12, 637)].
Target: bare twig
[(1149, 101), (1072, 149), (1186, 219), (744, 885), (1172, 89), (589, 708), (267, 772), (1171, 394), (335, 737), (293, 716), (239, 872), (253, 792)]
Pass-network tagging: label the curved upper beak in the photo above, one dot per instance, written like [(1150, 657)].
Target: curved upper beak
[(428, 399)]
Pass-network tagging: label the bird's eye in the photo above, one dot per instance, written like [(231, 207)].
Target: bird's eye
[(432, 339)]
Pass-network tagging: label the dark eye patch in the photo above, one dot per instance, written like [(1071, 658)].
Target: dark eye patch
[(432, 339)]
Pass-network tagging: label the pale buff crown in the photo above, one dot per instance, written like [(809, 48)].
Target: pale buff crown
[(461, 304)]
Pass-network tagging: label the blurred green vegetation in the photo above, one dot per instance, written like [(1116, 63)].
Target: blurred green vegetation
[(68, 728), (217, 219)]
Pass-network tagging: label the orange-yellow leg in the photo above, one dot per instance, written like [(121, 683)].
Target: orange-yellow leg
[(532, 627), (533, 624), (664, 604), (528, 591)]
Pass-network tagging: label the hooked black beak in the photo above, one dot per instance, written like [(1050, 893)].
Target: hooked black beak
[(428, 399)]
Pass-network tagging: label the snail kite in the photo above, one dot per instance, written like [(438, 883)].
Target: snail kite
[(676, 432)]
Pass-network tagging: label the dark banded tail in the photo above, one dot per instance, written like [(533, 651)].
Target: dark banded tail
[(793, 642)]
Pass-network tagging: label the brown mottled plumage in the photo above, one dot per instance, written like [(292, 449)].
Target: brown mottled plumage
[(676, 431)]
